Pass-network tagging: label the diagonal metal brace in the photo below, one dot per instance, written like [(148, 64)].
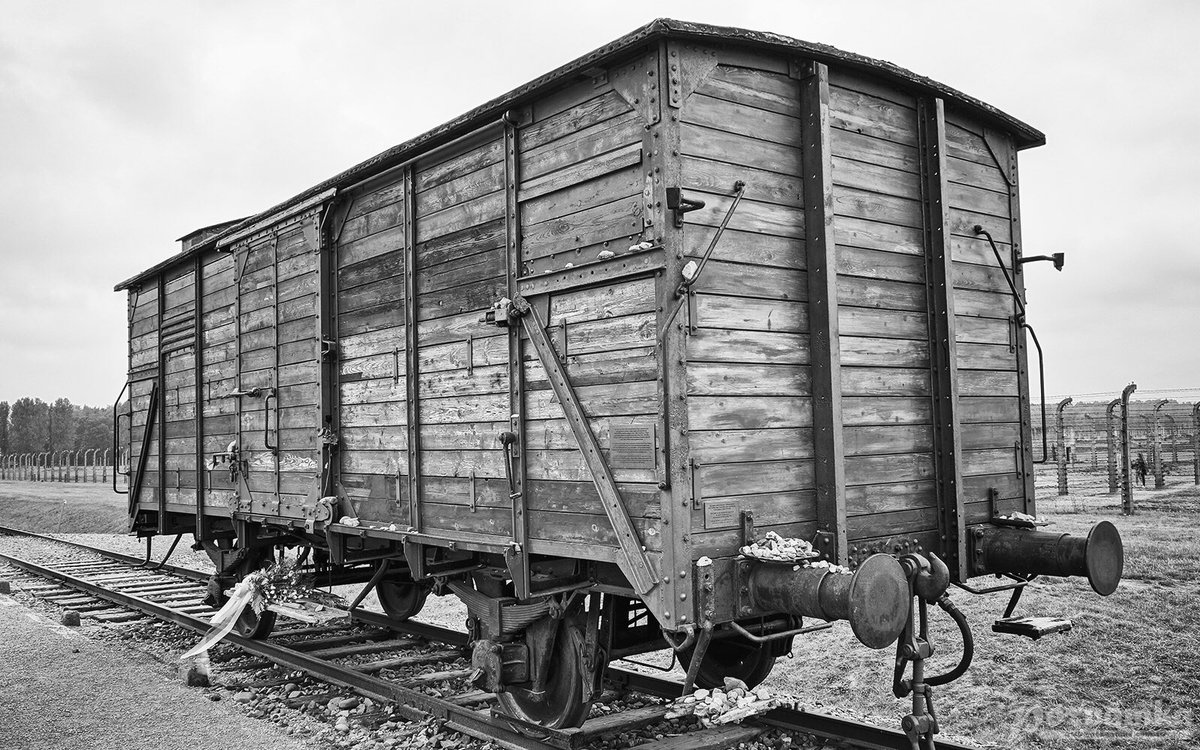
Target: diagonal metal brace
[(636, 565)]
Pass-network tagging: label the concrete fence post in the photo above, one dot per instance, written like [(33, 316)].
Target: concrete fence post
[(1111, 426), (1060, 439), (1126, 474), (104, 464), (1196, 442), (1159, 480)]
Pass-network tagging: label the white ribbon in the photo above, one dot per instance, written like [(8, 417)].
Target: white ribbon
[(224, 620)]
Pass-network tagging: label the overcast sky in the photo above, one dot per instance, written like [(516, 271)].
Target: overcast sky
[(124, 125)]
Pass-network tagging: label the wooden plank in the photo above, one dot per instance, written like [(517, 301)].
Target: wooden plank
[(609, 221), (597, 109), (749, 247), (870, 115), (472, 213), (903, 522), (861, 204), (575, 197), (900, 467), (882, 323), (717, 177), (988, 383), (596, 166), (858, 411), (885, 381), (869, 499), (586, 143), (719, 379), (721, 145), (985, 357), (881, 293), (749, 121), (875, 235), (724, 479), (749, 412), (443, 168), (463, 187), (866, 351), (773, 92), (719, 345), (714, 446), (751, 216), (743, 313), (620, 399), (864, 148), (849, 172)]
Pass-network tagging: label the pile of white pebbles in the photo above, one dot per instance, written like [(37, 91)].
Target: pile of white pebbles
[(775, 548), (732, 705)]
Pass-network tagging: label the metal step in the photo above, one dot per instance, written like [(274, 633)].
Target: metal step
[(1032, 627)]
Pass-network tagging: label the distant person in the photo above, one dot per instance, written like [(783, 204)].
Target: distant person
[(1139, 465)]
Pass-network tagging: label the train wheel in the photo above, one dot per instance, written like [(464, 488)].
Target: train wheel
[(731, 658), (401, 599), (561, 704)]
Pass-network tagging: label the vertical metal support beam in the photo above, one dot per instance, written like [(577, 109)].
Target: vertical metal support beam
[(516, 366), (201, 529), (411, 361), (328, 353), (1156, 447), (276, 500), (1008, 163), (1126, 475), (662, 167), (1111, 432), (939, 286), (162, 409), (1196, 443), (1060, 441), (825, 358)]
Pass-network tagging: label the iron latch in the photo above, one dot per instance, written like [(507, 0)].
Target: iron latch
[(681, 205), (505, 313)]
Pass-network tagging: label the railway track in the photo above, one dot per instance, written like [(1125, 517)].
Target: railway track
[(352, 656)]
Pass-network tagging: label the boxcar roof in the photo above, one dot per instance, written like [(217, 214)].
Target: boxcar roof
[(1024, 135)]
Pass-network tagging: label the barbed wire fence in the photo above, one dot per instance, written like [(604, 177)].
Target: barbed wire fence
[(90, 465), (1137, 448)]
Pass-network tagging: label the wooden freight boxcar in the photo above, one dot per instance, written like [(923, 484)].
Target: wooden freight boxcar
[(599, 333)]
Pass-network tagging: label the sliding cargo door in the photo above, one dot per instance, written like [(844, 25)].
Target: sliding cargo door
[(278, 369), (371, 416), (461, 379)]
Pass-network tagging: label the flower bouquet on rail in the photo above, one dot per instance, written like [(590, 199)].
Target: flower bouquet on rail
[(279, 587)]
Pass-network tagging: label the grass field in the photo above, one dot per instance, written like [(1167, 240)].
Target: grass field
[(1126, 676)]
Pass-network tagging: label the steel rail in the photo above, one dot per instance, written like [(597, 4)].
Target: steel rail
[(415, 705), (410, 703)]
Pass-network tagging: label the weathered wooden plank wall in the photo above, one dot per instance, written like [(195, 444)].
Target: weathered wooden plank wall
[(277, 348), (371, 351), (579, 195), (987, 342), (883, 314), (144, 322), (218, 376), (462, 381), (749, 393)]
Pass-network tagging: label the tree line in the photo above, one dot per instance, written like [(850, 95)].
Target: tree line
[(31, 425)]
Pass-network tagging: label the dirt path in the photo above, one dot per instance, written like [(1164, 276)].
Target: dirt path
[(60, 689)]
